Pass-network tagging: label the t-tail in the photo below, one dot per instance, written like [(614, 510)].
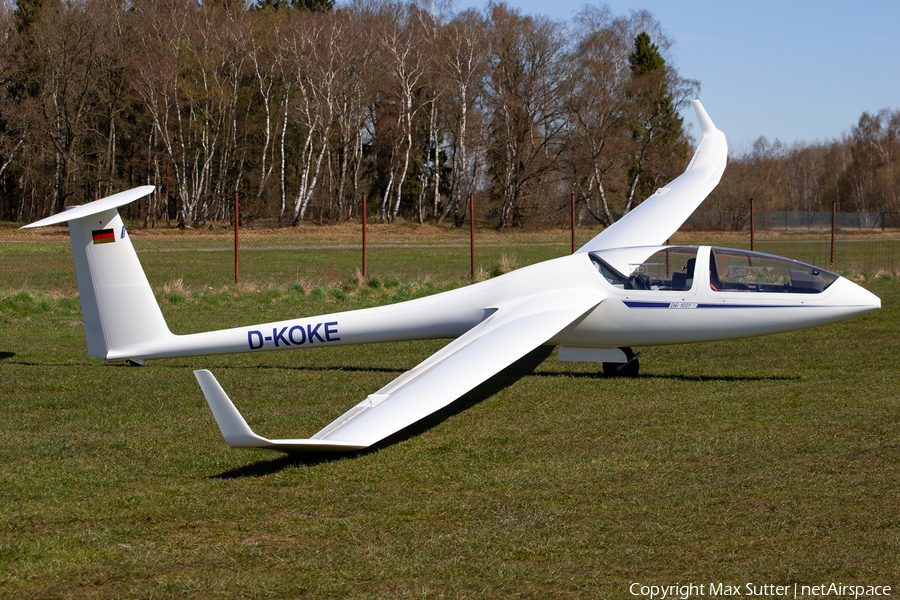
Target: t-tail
[(118, 307)]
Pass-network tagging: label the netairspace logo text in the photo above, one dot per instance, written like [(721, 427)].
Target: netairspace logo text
[(684, 591)]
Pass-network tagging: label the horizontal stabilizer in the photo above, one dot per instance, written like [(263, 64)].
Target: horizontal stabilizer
[(92, 208)]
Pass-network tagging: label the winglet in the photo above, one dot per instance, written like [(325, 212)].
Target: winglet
[(706, 124), (238, 434), (234, 428), (655, 219), (713, 149)]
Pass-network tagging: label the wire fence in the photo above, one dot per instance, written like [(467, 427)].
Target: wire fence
[(788, 220), (309, 255), (289, 256)]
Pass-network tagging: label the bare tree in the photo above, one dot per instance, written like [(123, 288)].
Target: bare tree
[(353, 96), (404, 64), (803, 165), (526, 85), (464, 50), (321, 82), (188, 80), (266, 56), (72, 45), (12, 131), (596, 106)]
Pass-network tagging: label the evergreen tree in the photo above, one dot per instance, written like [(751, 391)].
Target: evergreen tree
[(305, 5), (27, 13), (645, 58), (660, 149)]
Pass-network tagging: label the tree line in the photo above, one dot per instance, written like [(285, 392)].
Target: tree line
[(859, 172), (302, 108)]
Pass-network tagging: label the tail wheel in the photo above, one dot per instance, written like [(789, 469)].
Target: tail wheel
[(626, 369)]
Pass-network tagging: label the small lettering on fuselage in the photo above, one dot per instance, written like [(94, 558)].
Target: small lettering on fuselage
[(298, 335), (683, 305)]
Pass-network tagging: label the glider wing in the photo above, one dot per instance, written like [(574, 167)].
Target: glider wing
[(655, 219), (509, 333)]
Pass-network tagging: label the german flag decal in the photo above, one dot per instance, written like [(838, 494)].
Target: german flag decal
[(104, 236)]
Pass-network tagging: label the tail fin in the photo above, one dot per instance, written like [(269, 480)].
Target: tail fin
[(118, 307)]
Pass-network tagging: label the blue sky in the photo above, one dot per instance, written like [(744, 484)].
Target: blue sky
[(797, 71)]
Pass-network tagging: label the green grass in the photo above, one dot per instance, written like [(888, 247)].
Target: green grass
[(772, 460)]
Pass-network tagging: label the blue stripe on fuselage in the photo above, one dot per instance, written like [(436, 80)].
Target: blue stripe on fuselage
[(680, 305)]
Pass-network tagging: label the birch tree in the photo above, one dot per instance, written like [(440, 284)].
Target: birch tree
[(353, 95), (188, 83), (403, 67), (525, 87), (319, 81), (464, 48), (595, 108)]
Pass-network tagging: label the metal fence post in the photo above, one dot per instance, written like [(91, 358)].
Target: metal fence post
[(237, 217), (364, 269), (833, 219), (752, 224), (573, 222), (472, 232)]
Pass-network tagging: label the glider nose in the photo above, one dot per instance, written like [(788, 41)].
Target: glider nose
[(856, 298)]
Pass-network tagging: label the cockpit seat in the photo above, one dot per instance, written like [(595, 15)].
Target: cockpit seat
[(682, 281), (809, 283), (639, 281)]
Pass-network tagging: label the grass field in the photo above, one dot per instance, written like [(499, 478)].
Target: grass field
[(773, 460)]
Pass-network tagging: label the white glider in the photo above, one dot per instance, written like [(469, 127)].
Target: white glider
[(621, 289)]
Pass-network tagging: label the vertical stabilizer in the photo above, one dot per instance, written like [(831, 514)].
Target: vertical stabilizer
[(120, 313)]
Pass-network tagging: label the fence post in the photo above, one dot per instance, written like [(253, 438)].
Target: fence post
[(472, 233), (573, 222), (237, 216), (752, 224), (364, 213), (833, 219)]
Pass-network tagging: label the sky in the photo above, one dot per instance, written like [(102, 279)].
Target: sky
[(792, 70)]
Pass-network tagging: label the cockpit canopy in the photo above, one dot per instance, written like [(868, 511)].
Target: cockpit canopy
[(743, 271), (668, 268), (674, 268)]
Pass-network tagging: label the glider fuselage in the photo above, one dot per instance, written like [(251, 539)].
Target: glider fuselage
[(626, 317)]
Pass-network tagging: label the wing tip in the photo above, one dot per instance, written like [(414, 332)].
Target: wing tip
[(238, 434), (234, 428), (706, 123), (713, 148)]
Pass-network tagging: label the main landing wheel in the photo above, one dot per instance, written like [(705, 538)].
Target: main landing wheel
[(627, 369)]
